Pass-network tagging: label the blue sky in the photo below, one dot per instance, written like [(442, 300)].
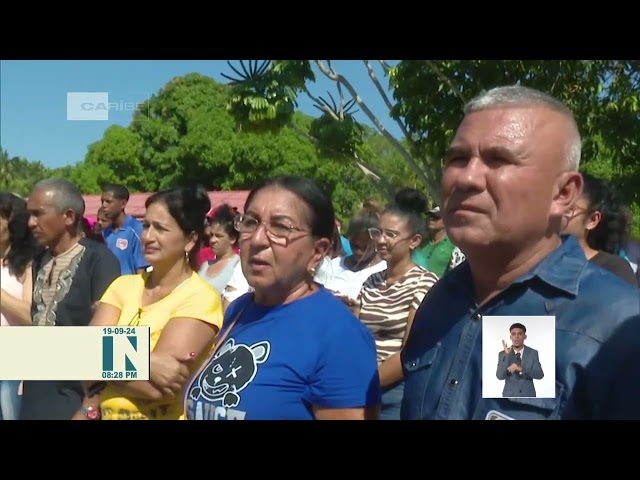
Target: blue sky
[(33, 99)]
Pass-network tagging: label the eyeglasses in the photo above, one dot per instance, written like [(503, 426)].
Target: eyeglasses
[(376, 233), (278, 229)]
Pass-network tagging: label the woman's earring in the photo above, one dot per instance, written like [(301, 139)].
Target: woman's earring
[(312, 271)]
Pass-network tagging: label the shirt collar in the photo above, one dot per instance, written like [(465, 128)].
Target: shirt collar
[(561, 269)]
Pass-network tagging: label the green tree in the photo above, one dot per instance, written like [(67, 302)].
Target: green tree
[(114, 158), (185, 134), (427, 100), (18, 175), (604, 96), (7, 173)]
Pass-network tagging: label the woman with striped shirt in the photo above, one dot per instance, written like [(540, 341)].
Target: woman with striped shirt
[(389, 299)]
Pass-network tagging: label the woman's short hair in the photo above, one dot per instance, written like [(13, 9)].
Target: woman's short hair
[(322, 221)]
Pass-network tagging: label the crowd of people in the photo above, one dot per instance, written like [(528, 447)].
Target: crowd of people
[(273, 312)]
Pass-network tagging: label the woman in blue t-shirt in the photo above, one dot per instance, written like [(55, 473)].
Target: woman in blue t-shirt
[(289, 350)]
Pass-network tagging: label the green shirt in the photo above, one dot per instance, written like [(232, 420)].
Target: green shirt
[(437, 256)]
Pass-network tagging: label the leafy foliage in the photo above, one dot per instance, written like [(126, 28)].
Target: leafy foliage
[(604, 96), (18, 174), (342, 137), (264, 98), (429, 98), (230, 136)]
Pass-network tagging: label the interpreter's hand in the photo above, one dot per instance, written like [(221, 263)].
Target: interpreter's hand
[(514, 367), (506, 348), (169, 373)]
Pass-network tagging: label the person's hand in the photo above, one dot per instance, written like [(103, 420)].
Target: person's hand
[(344, 299), (79, 416), (169, 373), (348, 301), (507, 349), (514, 367)]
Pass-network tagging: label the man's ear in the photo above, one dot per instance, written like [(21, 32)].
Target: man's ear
[(70, 218), (567, 190)]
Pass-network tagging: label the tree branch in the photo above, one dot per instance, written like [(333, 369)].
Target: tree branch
[(386, 67), (391, 139), (369, 171), (341, 111), (336, 77), (332, 76), (383, 94), (456, 91), (320, 105)]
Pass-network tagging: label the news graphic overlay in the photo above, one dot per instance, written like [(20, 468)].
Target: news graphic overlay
[(119, 107), (74, 353), (518, 356)]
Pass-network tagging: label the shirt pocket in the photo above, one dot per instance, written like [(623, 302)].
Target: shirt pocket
[(422, 365)]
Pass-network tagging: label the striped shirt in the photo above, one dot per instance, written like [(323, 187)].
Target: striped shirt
[(385, 308)]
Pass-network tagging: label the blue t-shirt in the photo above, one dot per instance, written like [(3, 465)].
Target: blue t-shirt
[(126, 245), (346, 246), (278, 362)]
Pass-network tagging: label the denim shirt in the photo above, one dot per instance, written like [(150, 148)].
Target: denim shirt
[(442, 359), (612, 381)]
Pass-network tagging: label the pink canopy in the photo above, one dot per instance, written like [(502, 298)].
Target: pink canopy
[(135, 206)]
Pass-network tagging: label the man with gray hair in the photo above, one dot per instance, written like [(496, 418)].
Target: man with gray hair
[(69, 277), (511, 174)]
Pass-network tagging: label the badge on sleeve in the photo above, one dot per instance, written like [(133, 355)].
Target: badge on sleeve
[(495, 415)]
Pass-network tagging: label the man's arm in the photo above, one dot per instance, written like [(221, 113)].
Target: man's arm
[(19, 308), (536, 372), (502, 372)]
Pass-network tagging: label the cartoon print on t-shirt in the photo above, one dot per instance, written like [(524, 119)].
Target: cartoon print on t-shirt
[(231, 369)]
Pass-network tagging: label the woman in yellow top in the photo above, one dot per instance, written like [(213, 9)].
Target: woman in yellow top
[(183, 311)]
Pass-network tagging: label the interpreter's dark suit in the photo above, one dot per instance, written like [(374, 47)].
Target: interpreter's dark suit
[(519, 384)]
